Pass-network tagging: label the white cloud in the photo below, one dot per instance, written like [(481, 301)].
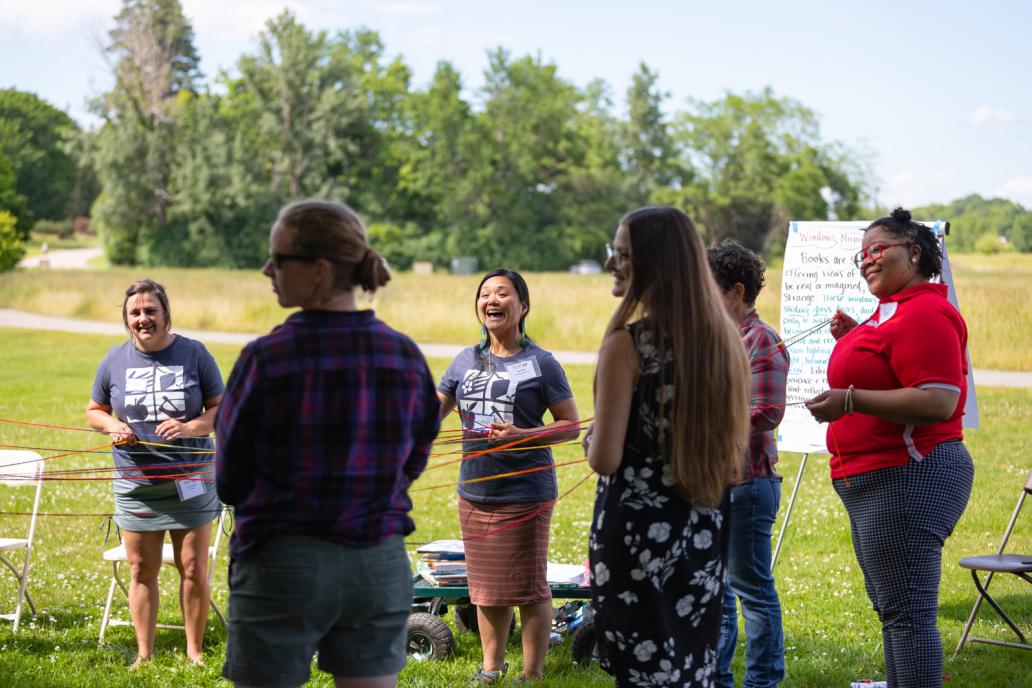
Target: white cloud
[(913, 187), (986, 116), (50, 19), (1017, 189)]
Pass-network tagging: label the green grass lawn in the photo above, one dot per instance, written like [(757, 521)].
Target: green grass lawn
[(567, 311), (832, 636)]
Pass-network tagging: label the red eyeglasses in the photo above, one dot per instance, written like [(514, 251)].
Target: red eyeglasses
[(874, 252)]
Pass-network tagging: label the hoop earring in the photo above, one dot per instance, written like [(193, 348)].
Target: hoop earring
[(483, 336)]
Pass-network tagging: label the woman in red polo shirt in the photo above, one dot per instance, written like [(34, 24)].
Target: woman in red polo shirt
[(898, 385)]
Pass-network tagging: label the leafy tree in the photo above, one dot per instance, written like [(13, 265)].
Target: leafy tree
[(10, 200), (972, 217), (525, 150), (759, 159), (307, 102), (649, 155), (34, 136), (12, 248), (154, 61)]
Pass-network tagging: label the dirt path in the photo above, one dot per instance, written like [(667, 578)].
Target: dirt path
[(64, 259), (35, 321)]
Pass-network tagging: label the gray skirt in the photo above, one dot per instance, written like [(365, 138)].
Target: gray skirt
[(142, 510)]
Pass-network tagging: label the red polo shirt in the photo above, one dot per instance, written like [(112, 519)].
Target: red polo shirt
[(916, 338)]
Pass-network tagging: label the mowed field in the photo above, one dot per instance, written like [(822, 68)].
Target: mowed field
[(832, 635), (567, 311)]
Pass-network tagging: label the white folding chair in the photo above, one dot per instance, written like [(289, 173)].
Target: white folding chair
[(21, 469), (117, 556)]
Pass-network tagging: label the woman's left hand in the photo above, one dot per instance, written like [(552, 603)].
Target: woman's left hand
[(171, 429), (500, 431), (828, 405)]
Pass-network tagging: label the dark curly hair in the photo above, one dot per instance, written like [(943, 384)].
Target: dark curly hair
[(732, 263), (900, 224)]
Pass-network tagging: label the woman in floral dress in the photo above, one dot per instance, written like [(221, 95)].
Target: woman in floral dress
[(671, 426)]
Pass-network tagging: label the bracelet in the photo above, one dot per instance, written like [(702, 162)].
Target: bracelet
[(848, 408)]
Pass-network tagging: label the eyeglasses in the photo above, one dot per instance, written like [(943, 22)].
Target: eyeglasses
[(618, 253), (277, 259), (874, 252)]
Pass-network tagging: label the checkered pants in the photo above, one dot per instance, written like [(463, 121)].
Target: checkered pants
[(900, 518)]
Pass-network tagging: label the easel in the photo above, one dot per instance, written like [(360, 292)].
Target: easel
[(788, 512)]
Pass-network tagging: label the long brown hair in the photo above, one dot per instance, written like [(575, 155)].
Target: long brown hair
[(674, 293)]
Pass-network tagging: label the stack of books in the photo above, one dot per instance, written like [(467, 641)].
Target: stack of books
[(442, 563)]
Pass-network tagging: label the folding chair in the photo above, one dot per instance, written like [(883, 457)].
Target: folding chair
[(1018, 564), (117, 556), (21, 469)]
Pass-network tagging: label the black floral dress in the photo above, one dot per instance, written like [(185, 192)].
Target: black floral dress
[(656, 561)]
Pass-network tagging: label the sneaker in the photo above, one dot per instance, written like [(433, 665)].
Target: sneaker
[(488, 678), (522, 680), (868, 683)]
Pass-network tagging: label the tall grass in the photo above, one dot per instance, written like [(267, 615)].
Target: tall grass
[(567, 311), (832, 635)]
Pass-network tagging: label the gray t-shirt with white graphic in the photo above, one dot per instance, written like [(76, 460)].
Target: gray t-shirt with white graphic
[(517, 389), (145, 389)]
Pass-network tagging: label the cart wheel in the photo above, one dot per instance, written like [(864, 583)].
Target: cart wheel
[(584, 644), (465, 619), (428, 638)]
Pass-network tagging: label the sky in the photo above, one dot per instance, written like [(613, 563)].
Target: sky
[(932, 93)]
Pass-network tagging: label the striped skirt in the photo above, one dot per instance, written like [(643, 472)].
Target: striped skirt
[(506, 552)]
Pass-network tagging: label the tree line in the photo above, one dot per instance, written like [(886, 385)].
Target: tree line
[(530, 170)]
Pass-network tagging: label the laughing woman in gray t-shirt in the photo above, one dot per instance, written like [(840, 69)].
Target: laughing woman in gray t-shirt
[(502, 389), (162, 388)]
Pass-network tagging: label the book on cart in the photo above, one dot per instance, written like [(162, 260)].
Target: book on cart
[(442, 563)]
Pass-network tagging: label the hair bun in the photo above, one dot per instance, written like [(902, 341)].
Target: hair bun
[(372, 272), (901, 216)]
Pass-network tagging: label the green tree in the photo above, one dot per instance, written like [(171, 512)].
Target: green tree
[(34, 137), (12, 248), (10, 200), (972, 217), (649, 155), (526, 145), (759, 159), (307, 101), (154, 61)]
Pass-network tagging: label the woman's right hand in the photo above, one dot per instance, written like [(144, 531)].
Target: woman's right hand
[(121, 433), (586, 440), (841, 324)]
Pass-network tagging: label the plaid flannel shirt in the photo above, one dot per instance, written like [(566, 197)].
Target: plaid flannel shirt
[(769, 377), (325, 423)]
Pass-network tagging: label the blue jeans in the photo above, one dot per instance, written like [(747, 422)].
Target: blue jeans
[(753, 508)]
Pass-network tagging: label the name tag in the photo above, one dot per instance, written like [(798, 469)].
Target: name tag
[(522, 370), (482, 423), (189, 488)]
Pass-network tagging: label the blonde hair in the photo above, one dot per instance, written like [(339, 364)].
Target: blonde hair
[(333, 231), (673, 292)]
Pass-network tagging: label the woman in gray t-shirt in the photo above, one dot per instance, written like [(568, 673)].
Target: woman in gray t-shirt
[(502, 389), (163, 390)]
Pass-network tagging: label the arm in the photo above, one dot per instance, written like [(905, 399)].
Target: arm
[(98, 417), (237, 425), (447, 404), (201, 426), (564, 414), (430, 424), (767, 386), (617, 373), (906, 406)]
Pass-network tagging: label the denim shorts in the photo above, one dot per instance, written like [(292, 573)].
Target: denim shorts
[(297, 595)]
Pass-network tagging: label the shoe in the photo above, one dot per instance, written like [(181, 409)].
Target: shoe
[(522, 680), (488, 678), (868, 683)]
